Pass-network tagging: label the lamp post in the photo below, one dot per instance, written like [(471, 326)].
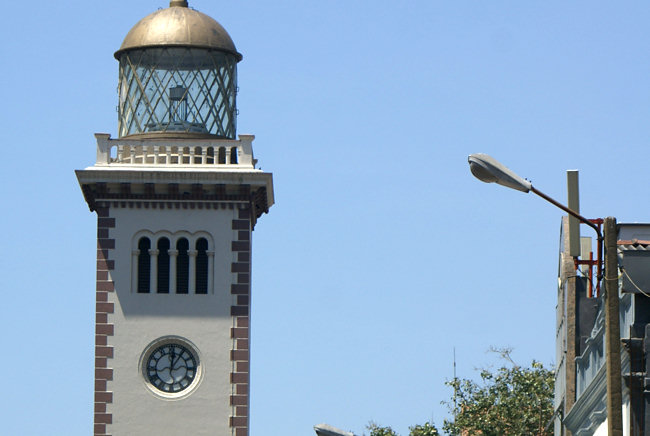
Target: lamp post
[(489, 170)]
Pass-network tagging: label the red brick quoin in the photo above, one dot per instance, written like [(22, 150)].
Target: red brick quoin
[(103, 329), (240, 313)]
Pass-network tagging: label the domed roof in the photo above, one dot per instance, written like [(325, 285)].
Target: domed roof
[(178, 26)]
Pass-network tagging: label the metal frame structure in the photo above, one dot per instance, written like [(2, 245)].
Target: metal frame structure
[(177, 89)]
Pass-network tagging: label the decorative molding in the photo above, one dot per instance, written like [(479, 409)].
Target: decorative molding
[(169, 195), (590, 410), (133, 204)]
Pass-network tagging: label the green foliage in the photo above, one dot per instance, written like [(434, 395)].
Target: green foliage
[(512, 401), (424, 430), (376, 430), (419, 430)]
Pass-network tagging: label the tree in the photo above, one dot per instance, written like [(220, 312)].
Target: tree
[(426, 429), (512, 401), (376, 430)]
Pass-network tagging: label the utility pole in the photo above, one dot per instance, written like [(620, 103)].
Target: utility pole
[(612, 332), (489, 170)]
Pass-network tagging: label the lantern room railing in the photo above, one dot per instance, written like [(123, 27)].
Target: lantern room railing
[(221, 153)]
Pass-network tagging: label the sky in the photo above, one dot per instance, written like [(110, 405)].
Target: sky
[(382, 254)]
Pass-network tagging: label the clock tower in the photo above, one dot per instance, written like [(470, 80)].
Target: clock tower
[(177, 195)]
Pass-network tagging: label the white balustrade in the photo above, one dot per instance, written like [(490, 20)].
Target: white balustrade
[(223, 153)]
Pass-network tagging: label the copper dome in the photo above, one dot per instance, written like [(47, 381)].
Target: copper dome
[(178, 26)]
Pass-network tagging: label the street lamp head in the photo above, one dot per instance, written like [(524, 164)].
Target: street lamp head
[(489, 170), (328, 430)]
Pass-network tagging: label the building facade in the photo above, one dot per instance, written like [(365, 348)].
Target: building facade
[(177, 196), (580, 385)]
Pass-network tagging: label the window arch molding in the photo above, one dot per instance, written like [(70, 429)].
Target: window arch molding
[(180, 272)]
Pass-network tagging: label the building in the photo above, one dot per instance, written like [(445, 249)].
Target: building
[(177, 195), (580, 385)]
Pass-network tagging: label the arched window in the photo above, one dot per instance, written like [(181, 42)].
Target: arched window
[(144, 265), (222, 155), (210, 155), (182, 266), (233, 155), (163, 266), (201, 266)]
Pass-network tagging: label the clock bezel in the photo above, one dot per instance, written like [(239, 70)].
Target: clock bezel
[(171, 340)]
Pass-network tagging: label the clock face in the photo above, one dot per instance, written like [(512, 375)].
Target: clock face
[(171, 367)]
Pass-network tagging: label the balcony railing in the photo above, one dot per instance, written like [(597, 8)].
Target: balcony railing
[(196, 153)]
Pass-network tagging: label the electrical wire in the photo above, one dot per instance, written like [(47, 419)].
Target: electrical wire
[(622, 268)]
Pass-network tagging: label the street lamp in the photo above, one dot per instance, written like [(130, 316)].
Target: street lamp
[(489, 170), (328, 430)]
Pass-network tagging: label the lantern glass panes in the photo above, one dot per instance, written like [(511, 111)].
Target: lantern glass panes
[(177, 89)]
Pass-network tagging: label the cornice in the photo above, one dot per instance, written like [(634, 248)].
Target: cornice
[(590, 409)]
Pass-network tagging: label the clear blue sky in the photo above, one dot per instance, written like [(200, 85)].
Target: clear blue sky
[(382, 252)]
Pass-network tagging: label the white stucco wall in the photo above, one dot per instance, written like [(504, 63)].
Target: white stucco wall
[(140, 319)]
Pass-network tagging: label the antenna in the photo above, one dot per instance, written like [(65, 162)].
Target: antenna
[(455, 386), (574, 204)]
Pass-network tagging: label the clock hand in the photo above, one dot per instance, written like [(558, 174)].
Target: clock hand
[(173, 364), (176, 360)]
